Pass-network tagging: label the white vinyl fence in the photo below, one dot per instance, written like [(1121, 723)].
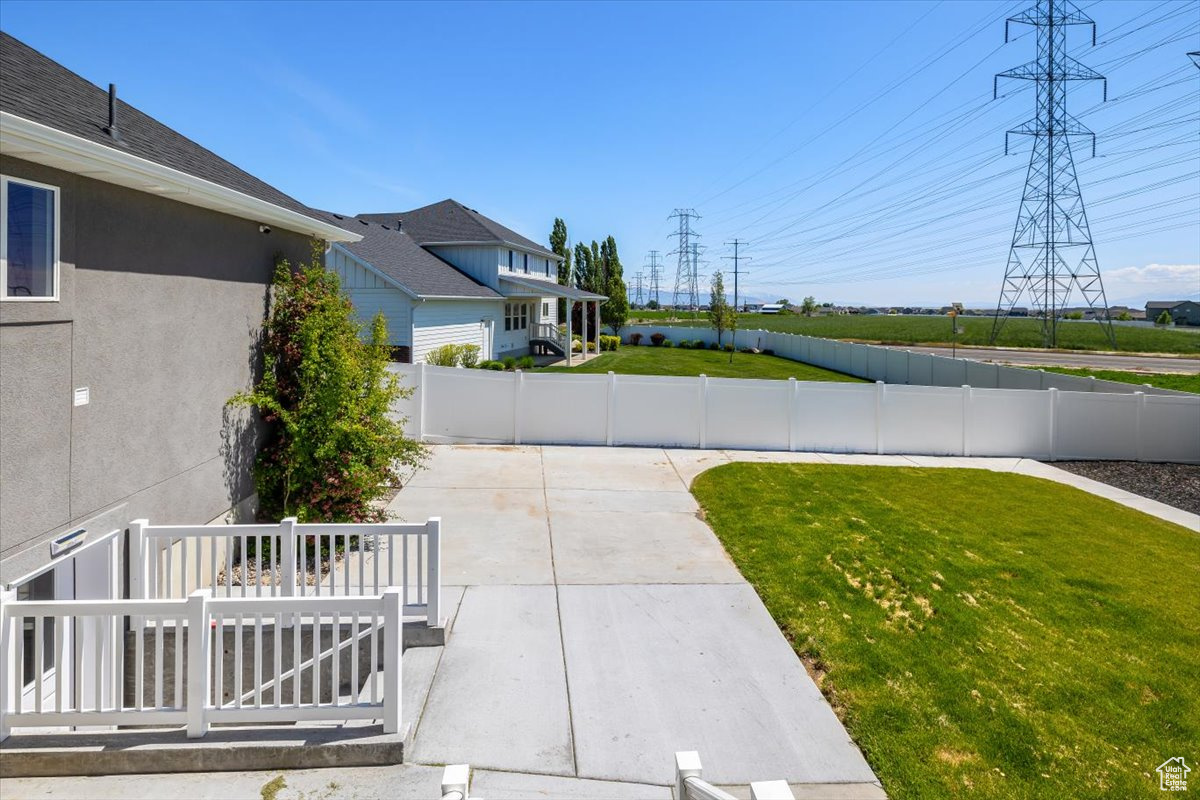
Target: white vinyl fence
[(465, 405), (257, 660), (896, 366)]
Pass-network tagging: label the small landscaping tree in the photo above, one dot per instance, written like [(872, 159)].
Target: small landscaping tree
[(719, 310), (326, 394), (1164, 318), (809, 306)]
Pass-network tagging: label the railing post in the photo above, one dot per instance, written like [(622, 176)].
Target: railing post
[(456, 778), (199, 663), (287, 555), (10, 668), (393, 641), (422, 390), (137, 560), (771, 790), (687, 765), (433, 581), (703, 437), (518, 386)]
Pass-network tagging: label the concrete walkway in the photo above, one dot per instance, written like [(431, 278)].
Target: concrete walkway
[(598, 627)]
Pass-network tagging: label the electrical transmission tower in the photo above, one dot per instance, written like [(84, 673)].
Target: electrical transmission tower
[(1052, 250), (637, 289), (655, 276), (686, 283), (1195, 57)]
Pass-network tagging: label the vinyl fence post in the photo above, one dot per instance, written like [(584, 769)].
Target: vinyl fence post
[(287, 557), (1139, 443), (518, 385), (880, 388), (703, 443), (792, 402), (393, 640), (771, 790), (199, 663), (421, 390), (1052, 393), (433, 582), (610, 420), (10, 668), (137, 559), (966, 419)]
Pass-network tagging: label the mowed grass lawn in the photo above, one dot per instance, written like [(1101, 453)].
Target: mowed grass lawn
[(1163, 380), (981, 634), (1017, 331), (647, 360)]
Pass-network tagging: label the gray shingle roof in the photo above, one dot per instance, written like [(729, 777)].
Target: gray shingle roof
[(396, 255), (451, 221), (40, 89)]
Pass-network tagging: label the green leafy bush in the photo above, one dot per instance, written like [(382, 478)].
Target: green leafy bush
[(591, 347), (445, 356), (576, 345), (509, 362), (684, 344), (714, 346), (468, 355), (610, 343), (332, 447), (668, 343), (492, 365), (525, 362), (728, 348), (656, 339)]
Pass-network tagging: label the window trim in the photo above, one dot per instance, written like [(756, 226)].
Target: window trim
[(5, 180)]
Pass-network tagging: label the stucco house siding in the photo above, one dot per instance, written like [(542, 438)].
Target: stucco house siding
[(161, 305)]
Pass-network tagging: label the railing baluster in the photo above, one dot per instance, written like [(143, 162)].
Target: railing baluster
[(212, 554), (139, 673), (39, 661), (183, 566), (335, 682), (296, 629), (158, 662), (362, 566), (179, 662), (420, 566), (199, 561), (346, 563), (228, 566), (99, 676), (244, 554), (258, 673), (354, 659), (332, 565), (60, 661), (278, 653), (237, 657), (170, 573), (316, 665), (375, 556), (374, 656), (77, 670), (258, 541), (404, 567), (219, 667)]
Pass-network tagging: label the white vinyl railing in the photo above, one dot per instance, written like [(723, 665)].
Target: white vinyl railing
[(690, 786), (259, 660), (289, 560), (548, 331)]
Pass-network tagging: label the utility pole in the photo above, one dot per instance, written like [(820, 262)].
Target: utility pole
[(685, 269), (737, 258), (1052, 250)]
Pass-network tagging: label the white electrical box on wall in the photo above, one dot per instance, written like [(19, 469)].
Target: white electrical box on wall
[(82, 396)]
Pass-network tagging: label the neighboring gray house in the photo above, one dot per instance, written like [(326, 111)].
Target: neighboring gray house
[(1183, 312), (134, 273), (446, 274)]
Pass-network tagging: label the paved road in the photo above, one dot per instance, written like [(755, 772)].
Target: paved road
[(1038, 358)]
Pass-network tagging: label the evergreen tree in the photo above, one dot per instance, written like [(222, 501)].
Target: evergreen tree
[(583, 267), (558, 244), (596, 283), (615, 312)]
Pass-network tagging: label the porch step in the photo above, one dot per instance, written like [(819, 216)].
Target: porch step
[(271, 747)]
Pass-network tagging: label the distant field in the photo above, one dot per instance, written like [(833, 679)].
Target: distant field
[(646, 360), (1180, 383), (1017, 332)]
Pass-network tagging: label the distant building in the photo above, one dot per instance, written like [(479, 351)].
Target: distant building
[(1183, 312), (771, 308)]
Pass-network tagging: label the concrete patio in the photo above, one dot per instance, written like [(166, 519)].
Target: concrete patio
[(598, 627)]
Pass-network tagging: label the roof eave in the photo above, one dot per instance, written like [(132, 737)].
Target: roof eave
[(32, 141)]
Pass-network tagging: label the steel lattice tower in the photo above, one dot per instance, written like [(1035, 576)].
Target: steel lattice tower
[(685, 271), (1052, 251), (655, 276)]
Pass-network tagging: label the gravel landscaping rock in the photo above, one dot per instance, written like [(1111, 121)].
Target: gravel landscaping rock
[(1176, 485)]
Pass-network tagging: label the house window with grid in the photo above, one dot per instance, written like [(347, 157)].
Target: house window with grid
[(29, 222), (516, 316)]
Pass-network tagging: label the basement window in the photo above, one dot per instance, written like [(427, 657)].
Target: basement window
[(29, 222)]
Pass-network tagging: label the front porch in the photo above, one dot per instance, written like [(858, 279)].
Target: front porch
[(549, 340)]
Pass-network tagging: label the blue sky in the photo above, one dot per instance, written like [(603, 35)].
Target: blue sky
[(853, 144)]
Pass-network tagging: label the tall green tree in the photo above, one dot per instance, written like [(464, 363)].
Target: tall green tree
[(597, 280), (718, 306), (583, 267), (559, 246), (809, 306), (615, 312)]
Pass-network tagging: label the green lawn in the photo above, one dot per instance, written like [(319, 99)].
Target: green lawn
[(647, 360), (1181, 383), (1017, 332), (981, 634)]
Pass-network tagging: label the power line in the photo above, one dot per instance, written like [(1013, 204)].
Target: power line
[(737, 258)]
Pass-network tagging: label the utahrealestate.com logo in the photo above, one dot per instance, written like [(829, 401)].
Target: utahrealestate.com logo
[(1172, 775)]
